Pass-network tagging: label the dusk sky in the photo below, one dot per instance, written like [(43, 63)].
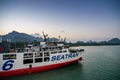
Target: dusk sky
[(74, 19)]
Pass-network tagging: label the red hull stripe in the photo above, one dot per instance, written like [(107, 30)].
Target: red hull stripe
[(34, 69)]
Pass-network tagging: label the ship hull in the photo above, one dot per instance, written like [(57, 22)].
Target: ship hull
[(36, 69)]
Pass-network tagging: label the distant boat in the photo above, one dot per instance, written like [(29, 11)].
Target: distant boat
[(46, 56)]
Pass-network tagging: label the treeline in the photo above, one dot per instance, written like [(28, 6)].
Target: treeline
[(113, 41), (91, 44)]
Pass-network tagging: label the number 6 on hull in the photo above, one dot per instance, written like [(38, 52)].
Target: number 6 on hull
[(8, 65)]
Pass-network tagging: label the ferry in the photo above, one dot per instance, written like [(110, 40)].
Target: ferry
[(46, 56)]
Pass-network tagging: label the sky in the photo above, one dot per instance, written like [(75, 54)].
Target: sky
[(78, 20)]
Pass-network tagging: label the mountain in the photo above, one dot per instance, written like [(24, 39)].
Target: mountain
[(36, 35), (15, 36), (114, 40)]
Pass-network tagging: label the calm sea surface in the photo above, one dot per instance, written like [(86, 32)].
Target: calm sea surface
[(100, 63)]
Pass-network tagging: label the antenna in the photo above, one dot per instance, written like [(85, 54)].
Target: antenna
[(59, 37)]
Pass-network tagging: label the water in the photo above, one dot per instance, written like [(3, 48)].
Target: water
[(100, 63)]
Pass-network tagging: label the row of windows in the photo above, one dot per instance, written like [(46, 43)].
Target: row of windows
[(64, 51), (52, 48), (27, 61), (9, 56), (30, 55)]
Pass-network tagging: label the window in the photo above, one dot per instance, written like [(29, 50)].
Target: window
[(59, 51), (38, 60), (9, 56), (66, 47), (38, 54), (53, 52), (5, 57), (60, 48), (12, 56), (72, 51), (27, 61), (28, 55), (56, 47), (50, 48), (64, 51), (46, 54), (46, 59)]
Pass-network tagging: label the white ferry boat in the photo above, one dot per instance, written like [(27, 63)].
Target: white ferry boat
[(46, 56)]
